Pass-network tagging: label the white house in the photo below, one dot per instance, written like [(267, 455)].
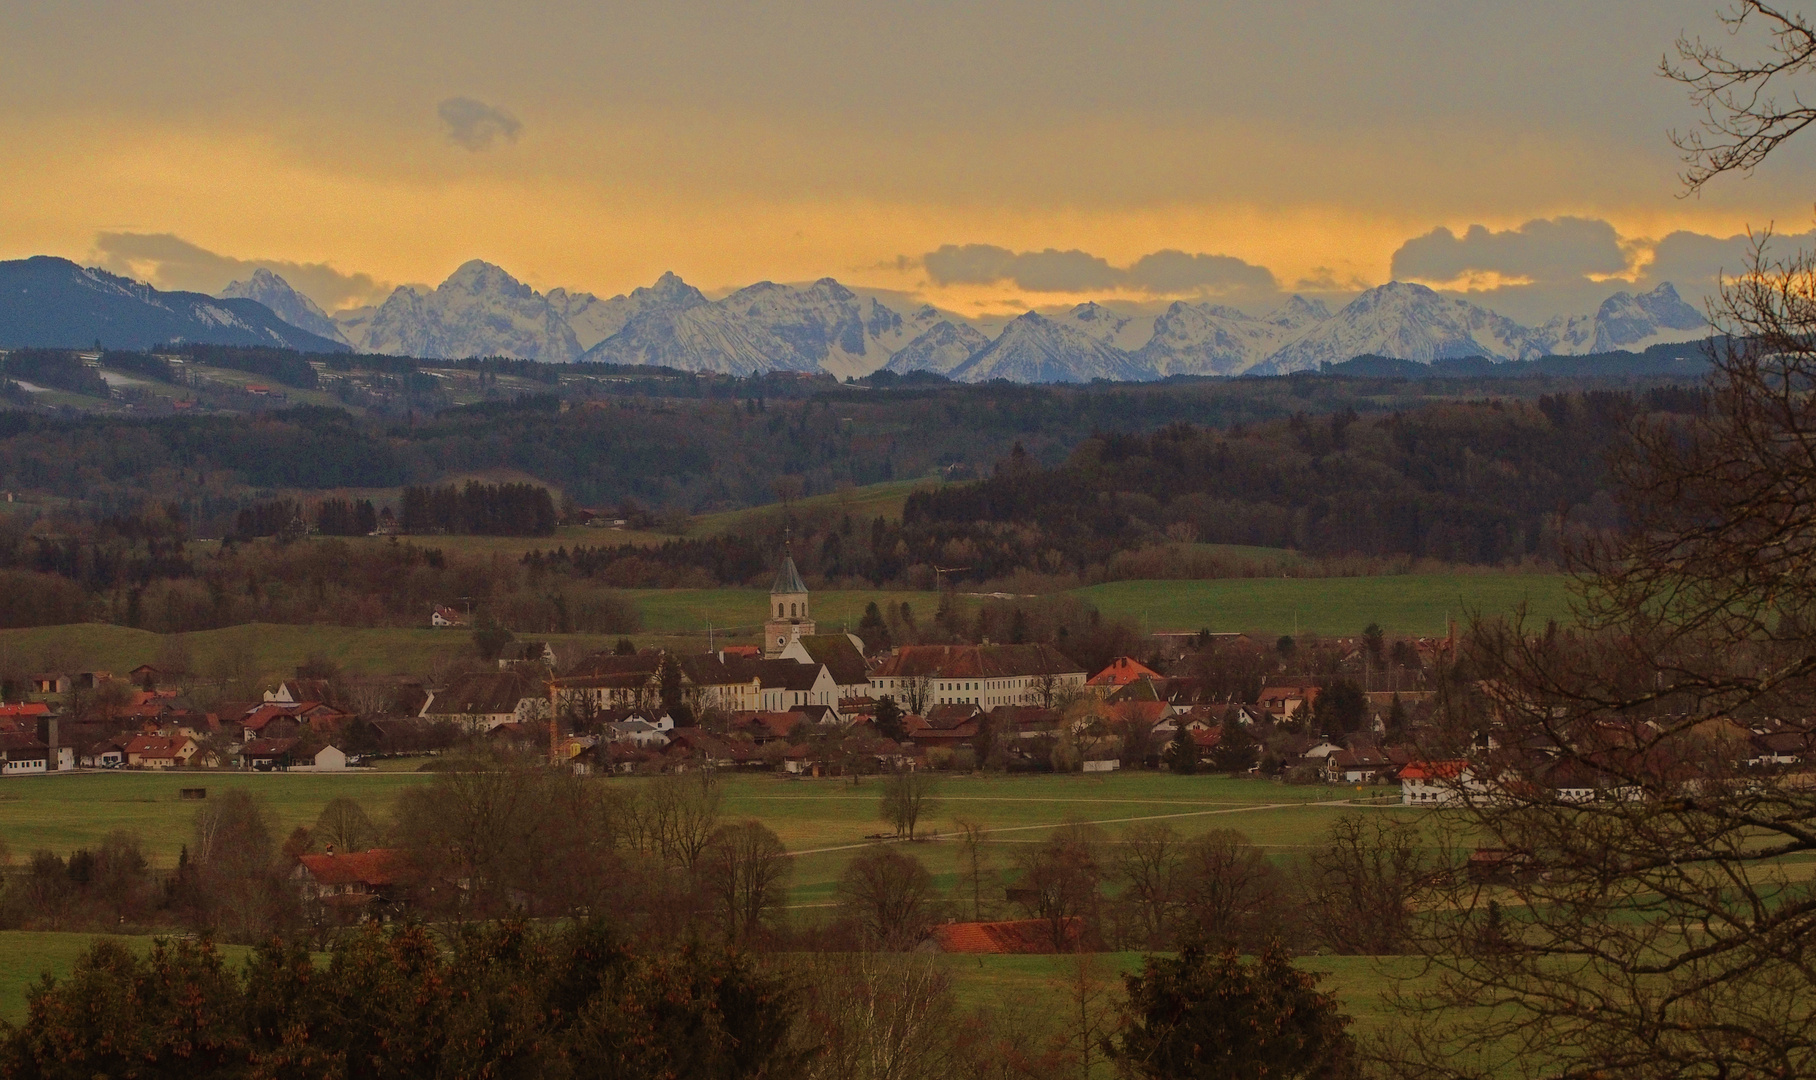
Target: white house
[(330, 759), (1434, 783)]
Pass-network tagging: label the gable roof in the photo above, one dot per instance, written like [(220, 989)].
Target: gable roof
[(976, 662), (785, 674), (1433, 770), (20, 744), (840, 656), (486, 693), (1122, 671), (268, 747), (380, 866), (1016, 936)]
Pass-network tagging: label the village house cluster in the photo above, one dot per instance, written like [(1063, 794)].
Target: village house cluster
[(804, 702)]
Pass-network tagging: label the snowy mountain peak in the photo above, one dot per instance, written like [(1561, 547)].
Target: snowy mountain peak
[(1626, 321), (1298, 311), (477, 277), (1034, 348), (478, 311), (285, 302)]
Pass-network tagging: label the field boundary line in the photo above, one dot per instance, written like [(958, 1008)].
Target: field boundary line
[(1104, 821)]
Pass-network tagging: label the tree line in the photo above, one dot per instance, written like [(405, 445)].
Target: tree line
[(477, 509)]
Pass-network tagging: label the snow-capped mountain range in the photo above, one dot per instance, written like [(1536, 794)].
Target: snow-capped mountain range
[(480, 310)]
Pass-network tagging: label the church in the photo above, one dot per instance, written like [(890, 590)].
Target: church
[(788, 620)]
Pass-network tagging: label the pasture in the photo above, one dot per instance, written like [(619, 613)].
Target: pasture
[(1409, 604), (824, 822)]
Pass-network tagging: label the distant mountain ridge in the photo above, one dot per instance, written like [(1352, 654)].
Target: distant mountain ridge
[(54, 303), (825, 327)]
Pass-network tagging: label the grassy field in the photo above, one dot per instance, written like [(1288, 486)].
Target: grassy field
[(825, 822), (1402, 604), (274, 650), (864, 504), (76, 810), (24, 956)]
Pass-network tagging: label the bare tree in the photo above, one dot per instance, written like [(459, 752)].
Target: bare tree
[(973, 862), (1228, 893), (1638, 909), (689, 809), (747, 868), (343, 823), (1745, 118), (1362, 883), (1091, 1006), (878, 1017), (890, 896), (1148, 862), (1060, 884), (917, 693), (907, 795), (235, 853)]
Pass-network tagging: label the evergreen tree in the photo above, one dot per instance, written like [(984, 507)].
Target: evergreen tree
[(1204, 1017), (1182, 752)]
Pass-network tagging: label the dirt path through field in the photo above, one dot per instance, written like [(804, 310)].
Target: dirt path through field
[(1104, 821)]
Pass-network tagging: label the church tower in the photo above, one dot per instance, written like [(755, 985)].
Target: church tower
[(788, 618)]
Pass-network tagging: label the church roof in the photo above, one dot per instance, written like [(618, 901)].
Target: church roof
[(788, 579)]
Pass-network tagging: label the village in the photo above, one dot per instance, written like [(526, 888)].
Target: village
[(805, 703)]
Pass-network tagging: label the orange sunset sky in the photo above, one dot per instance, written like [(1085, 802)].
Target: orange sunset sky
[(1308, 146)]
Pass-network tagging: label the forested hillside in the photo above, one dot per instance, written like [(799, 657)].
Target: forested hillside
[(682, 444)]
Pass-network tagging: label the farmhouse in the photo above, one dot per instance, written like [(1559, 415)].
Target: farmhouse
[(266, 755), (158, 752), (483, 701), (354, 880), (22, 754), (1433, 783)]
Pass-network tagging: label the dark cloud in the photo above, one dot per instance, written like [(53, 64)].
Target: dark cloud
[(171, 262), (1179, 272), (1560, 249), (476, 125), (1163, 272), (1696, 263)]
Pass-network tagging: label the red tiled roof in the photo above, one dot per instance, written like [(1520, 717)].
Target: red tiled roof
[(268, 747), (1121, 672), (154, 746), (975, 661), (380, 866), (1016, 936), (1433, 770), (27, 708)]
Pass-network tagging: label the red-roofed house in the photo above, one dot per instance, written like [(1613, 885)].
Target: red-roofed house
[(1433, 783), (1121, 672), (157, 752), (1020, 936), (267, 754), (353, 879)]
